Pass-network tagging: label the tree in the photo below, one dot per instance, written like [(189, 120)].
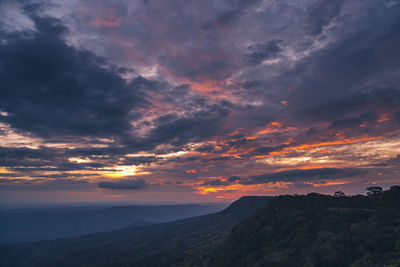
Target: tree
[(339, 194), (374, 190), (395, 187)]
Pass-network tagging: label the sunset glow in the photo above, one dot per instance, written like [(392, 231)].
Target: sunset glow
[(123, 100)]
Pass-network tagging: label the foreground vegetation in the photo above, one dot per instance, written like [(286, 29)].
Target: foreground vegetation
[(318, 230), (312, 230)]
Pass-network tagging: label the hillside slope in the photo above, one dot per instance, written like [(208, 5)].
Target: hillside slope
[(186, 242), (317, 230), (312, 230)]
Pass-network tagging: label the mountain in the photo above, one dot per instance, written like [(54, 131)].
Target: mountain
[(317, 230), (185, 242), (286, 231), (34, 224)]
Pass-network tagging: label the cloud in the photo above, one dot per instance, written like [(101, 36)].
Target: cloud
[(197, 65), (322, 13), (260, 52), (356, 109), (138, 160), (229, 15), (24, 157), (219, 158), (303, 175), (42, 159), (50, 88), (44, 184), (319, 175), (215, 182), (193, 128), (354, 122), (234, 178), (89, 85), (132, 184), (265, 150)]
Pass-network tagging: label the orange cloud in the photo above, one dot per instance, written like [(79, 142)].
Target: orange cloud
[(327, 183), (273, 126), (345, 141), (385, 117)]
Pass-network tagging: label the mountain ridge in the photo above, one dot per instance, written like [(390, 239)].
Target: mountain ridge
[(311, 230), (161, 241), (35, 224)]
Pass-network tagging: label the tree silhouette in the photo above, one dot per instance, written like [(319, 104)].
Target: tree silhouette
[(339, 194), (374, 190)]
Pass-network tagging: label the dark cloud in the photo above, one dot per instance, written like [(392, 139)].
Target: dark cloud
[(350, 75), (332, 77), (110, 151), (50, 88), (265, 150), (354, 122), (65, 175), (215, 182), (239, 142), (233, 179), (138, 160), (40, 184), (219, 158), (197, 65), (397, 116), (44, 159), (132, 184), (184, 159), (393, 162), (25, 153), (67, 92), (356, 108), (181, 130), (230, 15), (206, 148), (321, 14), (26, 157), (260, 52), (297, 175)]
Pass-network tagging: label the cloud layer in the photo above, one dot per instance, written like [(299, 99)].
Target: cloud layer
[(202, 99)]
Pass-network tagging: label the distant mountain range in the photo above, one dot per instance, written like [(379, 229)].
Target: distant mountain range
[(305, 230), (34, 224)]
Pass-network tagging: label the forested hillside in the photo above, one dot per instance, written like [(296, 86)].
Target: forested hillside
[(186, 242), (301, 230), (318, 230)]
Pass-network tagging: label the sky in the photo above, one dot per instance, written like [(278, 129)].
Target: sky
[(197, 101)]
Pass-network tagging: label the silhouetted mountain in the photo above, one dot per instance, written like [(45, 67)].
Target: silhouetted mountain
[(317, 230), (312, 230), (34, 224), (185, 242)]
